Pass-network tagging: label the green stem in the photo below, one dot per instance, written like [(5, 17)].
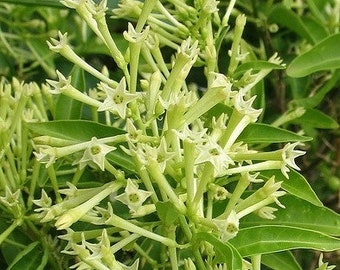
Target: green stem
[(241, 186), (9, 230), (204, 180), (155, 172), (54, 182)]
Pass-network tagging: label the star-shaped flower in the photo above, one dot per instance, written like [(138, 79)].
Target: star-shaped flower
[(116, 99), (133, 197), (95, 153), (228, 228), (213, 153)]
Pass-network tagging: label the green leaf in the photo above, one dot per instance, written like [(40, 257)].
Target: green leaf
[(83, 130), (300, 214), (225, 252), (167, 213), (287, 18), (313, 101), (323, 56), (263, 133), (316, 119), (280, 261), (28, 259), (74, 130), (39, 3), (296, 185), (69, 108), (273, 238), (255, 66)]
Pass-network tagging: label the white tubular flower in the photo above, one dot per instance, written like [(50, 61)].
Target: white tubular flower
[(74, 214), (221, 81), (58, 45), (288, 156), (133, 197), (58, 87), (266, 212), (159, 154), (116, 99), (133, 134), (189, 265), (128, 8), (213, 153), (245, 107), (44, 202), (192, 136), (131, 35), (228, 228), (95, 153), (46, 155), (264, 196), (190, 51)]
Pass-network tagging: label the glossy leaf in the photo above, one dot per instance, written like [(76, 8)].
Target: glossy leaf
[(300, 214), (82, 130), (316, 119), (48, 3), (255, 66), (263, 133), (296, 185), (28, 259), (323, 56), (280, 261), (74, 130), (225, 252), (273, 238)]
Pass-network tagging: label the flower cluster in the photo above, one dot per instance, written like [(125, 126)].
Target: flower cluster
[(182, 139)]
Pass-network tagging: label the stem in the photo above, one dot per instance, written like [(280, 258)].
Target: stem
[(54, 182), (204, 180), (9, 230), (34, 180), (126, 225), (241, 186), (256, 262), (157, 175)]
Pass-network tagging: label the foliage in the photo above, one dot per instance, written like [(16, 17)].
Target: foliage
[(170, 141)]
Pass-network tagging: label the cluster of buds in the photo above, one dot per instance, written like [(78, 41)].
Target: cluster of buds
[(182, 138)]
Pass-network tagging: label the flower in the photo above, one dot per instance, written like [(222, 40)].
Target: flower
[(228, 228), (95, 153), (116, 99), (160, 154), (133, 197), (58, 45), (266, 212), (59, 86), (46, 155), (133, 36), (213, 153), (288, 157)]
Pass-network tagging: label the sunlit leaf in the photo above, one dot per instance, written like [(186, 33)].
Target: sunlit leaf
[(280, 261), (273, 238), (263, 133), (323, 56), (300, 214), (296, 185)]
